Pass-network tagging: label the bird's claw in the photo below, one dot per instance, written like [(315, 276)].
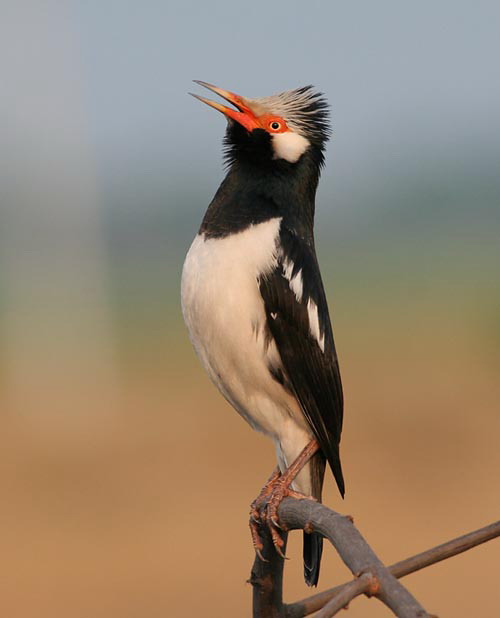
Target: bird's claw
[(277, 541), (257, 541), (264, 511), (276, 523)]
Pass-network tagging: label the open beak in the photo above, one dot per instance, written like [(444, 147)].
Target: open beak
[(242, 114)]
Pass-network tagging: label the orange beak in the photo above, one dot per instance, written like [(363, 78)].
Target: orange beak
[(242, 114)]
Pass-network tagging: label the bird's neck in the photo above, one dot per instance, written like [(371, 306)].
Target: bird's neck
[(252, 194)]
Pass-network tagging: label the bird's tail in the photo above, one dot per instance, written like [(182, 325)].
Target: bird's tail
[(313, 542)]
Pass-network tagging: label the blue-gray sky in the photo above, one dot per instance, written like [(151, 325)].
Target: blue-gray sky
[(400, 76), (410, 84)]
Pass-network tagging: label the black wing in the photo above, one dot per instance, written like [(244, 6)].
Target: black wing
[(298, 320)]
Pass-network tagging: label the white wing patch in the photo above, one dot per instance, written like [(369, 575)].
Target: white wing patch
[(294, 281), (297, 286), (312, 312)]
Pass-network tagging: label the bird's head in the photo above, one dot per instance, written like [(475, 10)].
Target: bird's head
[(275, 130)]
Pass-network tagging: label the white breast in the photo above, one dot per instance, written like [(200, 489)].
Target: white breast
[(225, 316)]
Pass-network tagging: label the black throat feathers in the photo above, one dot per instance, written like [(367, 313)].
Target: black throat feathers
[(259, 187)]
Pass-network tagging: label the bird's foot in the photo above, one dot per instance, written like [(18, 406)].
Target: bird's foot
[(281, 490), (255, 512), (264, 511), (260, 500)]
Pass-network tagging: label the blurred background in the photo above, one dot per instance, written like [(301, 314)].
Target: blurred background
[(125, 478)]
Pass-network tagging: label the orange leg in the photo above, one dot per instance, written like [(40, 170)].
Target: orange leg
[(277, 488)]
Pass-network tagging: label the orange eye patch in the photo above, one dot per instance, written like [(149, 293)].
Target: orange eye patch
[(273, 124)]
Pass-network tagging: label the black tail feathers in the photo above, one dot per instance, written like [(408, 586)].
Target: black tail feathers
[(313, 548)]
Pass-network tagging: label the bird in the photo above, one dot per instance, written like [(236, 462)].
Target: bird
[(254, 303)]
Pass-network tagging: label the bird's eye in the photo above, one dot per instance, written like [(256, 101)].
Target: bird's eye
[(275, 126)]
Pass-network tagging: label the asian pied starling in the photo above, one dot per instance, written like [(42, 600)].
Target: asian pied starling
[(254, 302)]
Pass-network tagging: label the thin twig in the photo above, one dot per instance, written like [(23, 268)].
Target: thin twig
[(420, 561), (445, 550), (349, 592), (353, 549)]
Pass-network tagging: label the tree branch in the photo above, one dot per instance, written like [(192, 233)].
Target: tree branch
[(445, 550), (427, 558), (267, 580), (347, 593), (372, 577)]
